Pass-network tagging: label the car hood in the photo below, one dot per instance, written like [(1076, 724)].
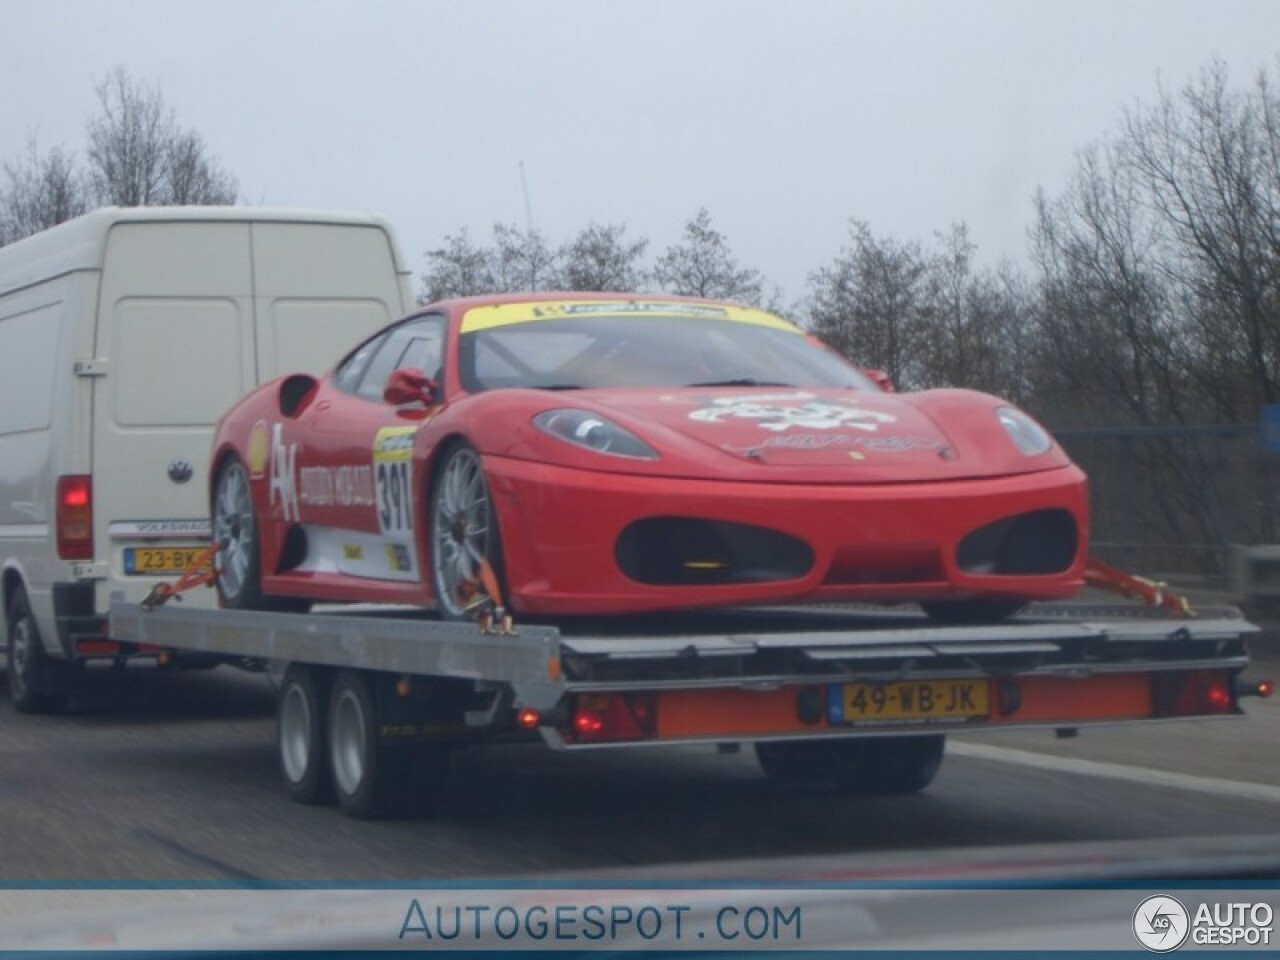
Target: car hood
[(836, 435)]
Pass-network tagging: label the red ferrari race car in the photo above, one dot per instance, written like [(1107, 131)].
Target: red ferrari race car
[(612, 454)]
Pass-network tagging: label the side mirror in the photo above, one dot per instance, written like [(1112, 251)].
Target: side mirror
[(881, 380), (407, 385)]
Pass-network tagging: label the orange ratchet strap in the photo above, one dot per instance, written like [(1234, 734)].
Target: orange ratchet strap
[(202, 573), (1100, 575)]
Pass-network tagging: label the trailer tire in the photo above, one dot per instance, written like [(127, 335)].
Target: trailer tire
[(355, 760), (885, 766), (865, 766), (37, 682), (302, 724), (791, 761)]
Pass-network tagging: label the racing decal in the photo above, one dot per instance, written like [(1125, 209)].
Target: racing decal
[(345, 486), (782, 411), (257, 450), (829, 441), (399, 559), (506, 314), (393, 479), (284, 484)]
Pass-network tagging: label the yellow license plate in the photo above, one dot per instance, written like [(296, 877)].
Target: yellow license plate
[(159, 561), (914, 700)]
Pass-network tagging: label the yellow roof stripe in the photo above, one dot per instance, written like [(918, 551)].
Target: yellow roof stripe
[(506, 314)]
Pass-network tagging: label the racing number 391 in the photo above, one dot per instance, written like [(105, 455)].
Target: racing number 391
[(394, 501)]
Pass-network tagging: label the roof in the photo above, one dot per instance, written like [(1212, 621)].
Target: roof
[(80, 244)]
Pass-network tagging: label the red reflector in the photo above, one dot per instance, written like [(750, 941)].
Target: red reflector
[(1266, 688), (598, 717), (75, 517), (1193, 694)]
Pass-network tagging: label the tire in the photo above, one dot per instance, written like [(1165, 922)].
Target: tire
[(872, 766), (463, 523), (988, 610), (235, 525), (790, 761), (37, 682), (885, 766), (372, 779), (302, 733)]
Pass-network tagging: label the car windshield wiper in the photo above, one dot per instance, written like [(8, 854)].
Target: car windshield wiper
[(556, 386), (741, 382)]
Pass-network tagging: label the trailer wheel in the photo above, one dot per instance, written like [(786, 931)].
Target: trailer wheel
[(37, 682), (864, 766), (353, 747), (373, 779), (302, 727), (885, 766), (789, 761)]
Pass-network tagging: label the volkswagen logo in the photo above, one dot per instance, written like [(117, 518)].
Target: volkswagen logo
[(180, 470)]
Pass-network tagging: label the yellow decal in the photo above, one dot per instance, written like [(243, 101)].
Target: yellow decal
[(352, 551), (257, 452), (507, 314), (394, 444)]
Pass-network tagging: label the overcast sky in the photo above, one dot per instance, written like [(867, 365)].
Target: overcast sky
[(784, 118)]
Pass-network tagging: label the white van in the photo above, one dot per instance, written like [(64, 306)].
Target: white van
[(124, 336)]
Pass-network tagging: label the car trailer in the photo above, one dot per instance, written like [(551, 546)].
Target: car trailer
[(373, 703)]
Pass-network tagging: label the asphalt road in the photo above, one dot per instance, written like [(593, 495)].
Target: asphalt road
[(163, 776)]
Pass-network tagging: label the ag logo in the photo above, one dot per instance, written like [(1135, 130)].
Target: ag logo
[(1161, 924)]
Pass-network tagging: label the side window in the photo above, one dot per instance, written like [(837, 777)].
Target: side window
[(418, 344), (347, 376)]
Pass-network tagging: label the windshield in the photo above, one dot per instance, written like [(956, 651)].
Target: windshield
[(573, 353)]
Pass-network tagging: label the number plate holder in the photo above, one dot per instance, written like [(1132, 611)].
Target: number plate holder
[(909, 701), (160, 561)]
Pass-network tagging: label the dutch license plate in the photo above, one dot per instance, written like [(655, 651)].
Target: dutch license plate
[(159, 561), (915, 700)]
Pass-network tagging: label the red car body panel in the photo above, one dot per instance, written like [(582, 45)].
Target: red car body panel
[(864, 495)]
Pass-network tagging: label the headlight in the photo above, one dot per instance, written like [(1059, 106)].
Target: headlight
[(593, 432), (1027, 435)]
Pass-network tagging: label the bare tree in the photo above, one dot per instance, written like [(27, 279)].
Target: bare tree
[(39, 192), (458, 269), (522, 260), (704, 266), (869, 304), (138, 155), (599, 258)]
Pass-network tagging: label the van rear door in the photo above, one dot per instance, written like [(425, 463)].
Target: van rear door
[(176, 332), (321, 289)]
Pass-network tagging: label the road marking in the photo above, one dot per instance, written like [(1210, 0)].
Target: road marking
[(1115, 771)]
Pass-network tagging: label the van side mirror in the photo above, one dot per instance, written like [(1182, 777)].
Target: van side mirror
[(881, 380), (407, 385)]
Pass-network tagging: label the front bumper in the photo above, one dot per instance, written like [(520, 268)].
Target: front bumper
[(884, 543)]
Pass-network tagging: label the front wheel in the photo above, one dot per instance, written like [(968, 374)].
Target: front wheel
[(464, 529)]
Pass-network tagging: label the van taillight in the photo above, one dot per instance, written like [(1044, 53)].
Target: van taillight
[(75, 517)]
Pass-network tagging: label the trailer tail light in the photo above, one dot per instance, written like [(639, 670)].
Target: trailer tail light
[(1193, 694), (603, 717), (75, 517)]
